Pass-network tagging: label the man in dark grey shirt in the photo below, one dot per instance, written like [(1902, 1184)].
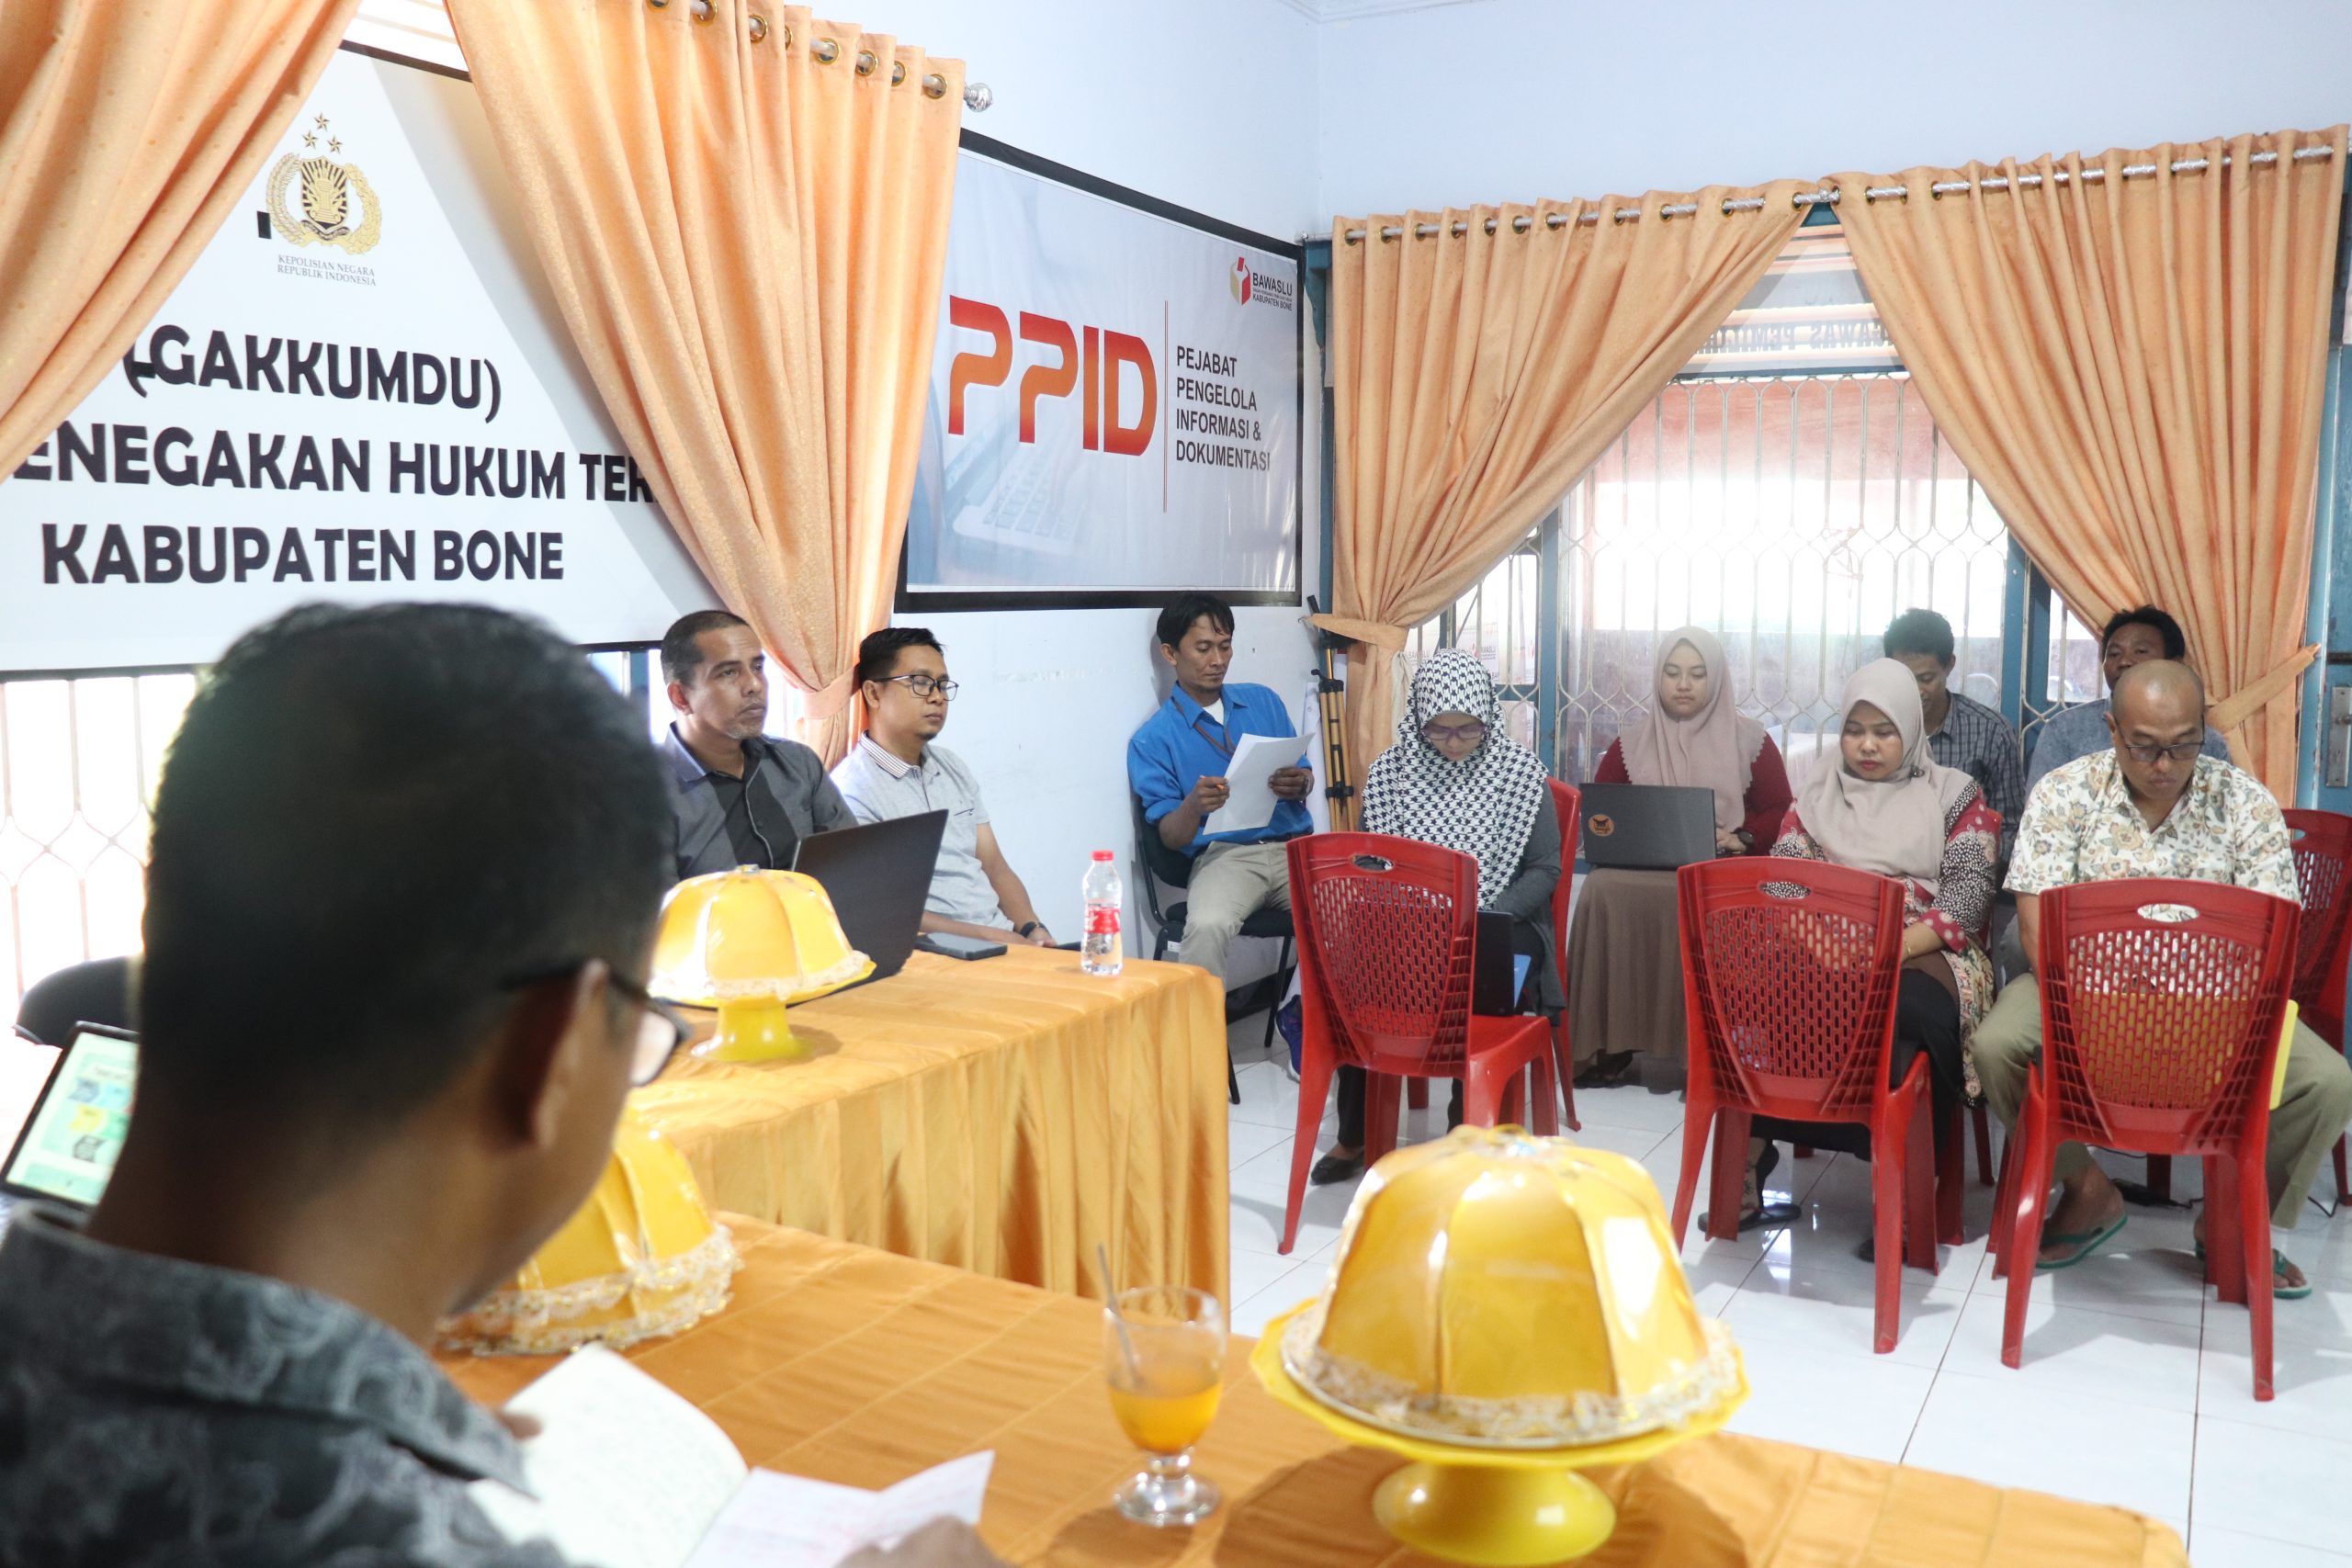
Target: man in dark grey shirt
[(403, 876), (740, 796)]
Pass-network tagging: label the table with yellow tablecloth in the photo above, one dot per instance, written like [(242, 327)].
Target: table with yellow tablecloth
[(854, 1366), (1002, 1116)]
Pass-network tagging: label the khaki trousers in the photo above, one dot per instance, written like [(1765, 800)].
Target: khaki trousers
[(1230, 882), (2304, 1125)]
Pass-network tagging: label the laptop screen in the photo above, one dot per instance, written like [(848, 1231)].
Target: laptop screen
[(67, 1149)]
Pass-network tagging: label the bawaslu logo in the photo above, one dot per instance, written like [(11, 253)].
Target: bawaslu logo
[(1266, 287)]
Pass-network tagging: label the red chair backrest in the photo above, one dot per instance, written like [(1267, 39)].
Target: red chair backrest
[(1568, 804), (1789, 974), (2160, 1003), (2324, 871), (1386, 928)]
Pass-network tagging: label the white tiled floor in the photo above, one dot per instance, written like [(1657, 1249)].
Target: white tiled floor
[(2137, 1388)]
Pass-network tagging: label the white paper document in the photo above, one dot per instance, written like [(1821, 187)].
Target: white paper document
[(785, 1521), (629, 1476), (1249, 800)]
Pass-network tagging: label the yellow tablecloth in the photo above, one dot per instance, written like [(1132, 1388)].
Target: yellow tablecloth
[(854, 1366), (1002, 1116)]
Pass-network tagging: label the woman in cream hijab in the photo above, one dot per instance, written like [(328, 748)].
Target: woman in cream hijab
[(1888, 807), (1624, 956)]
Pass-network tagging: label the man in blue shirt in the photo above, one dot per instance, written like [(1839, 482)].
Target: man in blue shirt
[(1176, 766), (2132, 637)]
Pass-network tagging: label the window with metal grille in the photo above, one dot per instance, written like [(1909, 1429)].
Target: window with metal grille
[(1791, 494), (79, 761)]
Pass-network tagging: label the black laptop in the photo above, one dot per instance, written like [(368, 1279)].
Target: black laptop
[(67, 1147), (1631, 827), (878, 874), (1498, 974)]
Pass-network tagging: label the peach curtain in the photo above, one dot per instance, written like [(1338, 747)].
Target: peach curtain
[(127, 130), (2133, 369), (743, 213), (1482, 357)]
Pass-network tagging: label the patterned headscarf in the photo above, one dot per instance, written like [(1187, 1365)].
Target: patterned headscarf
[(1484, 805), (1714, 749), (1893, 826)]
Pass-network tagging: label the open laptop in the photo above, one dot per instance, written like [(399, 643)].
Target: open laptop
[(1648, 827), (878, 874), (67, 1147)]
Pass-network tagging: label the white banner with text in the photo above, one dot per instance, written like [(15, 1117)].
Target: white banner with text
[(361, 392)]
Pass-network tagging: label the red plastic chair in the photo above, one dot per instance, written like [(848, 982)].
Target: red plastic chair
[(1567, 805), (2159, 1035), (2322, 846), (1789, 971), (1387, 931), (2324, 871)]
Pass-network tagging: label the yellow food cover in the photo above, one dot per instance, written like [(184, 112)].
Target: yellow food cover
[(734, 935), (1497, 1288), (641, 1258)]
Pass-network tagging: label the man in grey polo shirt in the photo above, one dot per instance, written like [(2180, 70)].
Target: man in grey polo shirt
[(893, 770)]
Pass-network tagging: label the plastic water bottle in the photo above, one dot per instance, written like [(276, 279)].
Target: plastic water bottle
[(1100, 952)]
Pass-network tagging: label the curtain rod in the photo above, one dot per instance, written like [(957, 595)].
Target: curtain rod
[(825, 50), (1828, 196)]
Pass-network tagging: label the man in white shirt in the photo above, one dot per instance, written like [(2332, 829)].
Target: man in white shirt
[(894, 770)]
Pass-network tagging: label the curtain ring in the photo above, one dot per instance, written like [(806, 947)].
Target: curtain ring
[(1521, 225), (866, 63), (759, 28), (934, 85), (826, 49), (1490, 226), (898, 72), (657, 5), (1389, 236), (702, 10)]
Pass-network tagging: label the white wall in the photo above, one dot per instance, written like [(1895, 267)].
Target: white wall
[(1516, 99), (1209, 103)]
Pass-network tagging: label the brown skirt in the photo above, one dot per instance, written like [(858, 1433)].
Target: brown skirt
[(1626, 967)]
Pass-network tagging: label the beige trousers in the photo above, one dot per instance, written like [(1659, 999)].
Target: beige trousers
[(1230, 882), (2304, 1124)]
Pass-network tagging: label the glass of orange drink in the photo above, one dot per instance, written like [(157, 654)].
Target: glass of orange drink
[(1164, 1352)]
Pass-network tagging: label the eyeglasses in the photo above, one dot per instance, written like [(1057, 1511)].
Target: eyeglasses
[(2186, 751), (1469, 734), (661, 1029), (923, 686)]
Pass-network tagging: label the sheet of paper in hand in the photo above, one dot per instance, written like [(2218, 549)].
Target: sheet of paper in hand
[(629, 1476)]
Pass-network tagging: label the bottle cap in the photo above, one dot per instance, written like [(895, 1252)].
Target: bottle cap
[(1102, 855)]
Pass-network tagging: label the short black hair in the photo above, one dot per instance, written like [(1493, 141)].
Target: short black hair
[(2176, 640), (371, 822), (681, 654), (879, 654), (1178, 618), (1919, 631)]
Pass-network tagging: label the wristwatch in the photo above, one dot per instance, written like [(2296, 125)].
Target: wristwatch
[(1026, 930)]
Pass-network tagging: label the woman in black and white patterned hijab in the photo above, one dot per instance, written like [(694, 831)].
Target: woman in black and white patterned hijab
[(1454, 777)]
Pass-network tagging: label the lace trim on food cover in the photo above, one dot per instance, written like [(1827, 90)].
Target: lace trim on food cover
[(1382, 1400), (853, 964), (541, 1323)]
